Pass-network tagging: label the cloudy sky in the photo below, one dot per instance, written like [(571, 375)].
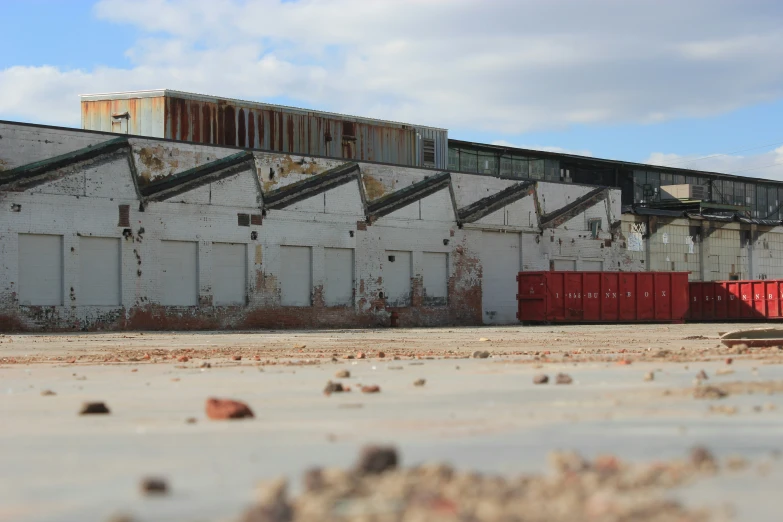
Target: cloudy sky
[(688, 83)]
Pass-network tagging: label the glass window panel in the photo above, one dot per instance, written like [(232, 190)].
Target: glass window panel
[(468, 161), (537, 169), (453, 159), (487, 163), (552, 172), (506, 166), (521, 167)]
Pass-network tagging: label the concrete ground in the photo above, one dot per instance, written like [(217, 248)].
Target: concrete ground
[(478, 414)]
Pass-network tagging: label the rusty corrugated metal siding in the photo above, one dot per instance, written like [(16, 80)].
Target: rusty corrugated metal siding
[(202, 119), (272, 128)]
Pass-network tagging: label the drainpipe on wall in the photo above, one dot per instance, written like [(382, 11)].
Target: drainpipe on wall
[(648, 244), (751, 240), (704, 250)]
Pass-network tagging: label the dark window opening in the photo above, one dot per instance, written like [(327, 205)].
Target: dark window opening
[(428, 152)]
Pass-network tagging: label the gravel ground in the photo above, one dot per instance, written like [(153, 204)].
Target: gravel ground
[(635, 431)]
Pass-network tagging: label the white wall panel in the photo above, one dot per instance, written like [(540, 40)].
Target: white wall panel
[(179, 273), (40, 270), (296, 273), (338, 278), (568, 265), (229, 273), (435, 275), (397, 277), (99, 271), (500, 261)]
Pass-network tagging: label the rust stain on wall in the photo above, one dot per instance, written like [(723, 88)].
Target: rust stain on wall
[(372, 187)]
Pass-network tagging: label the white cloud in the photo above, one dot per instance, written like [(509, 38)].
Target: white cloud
[(768, 165), (509, 66)]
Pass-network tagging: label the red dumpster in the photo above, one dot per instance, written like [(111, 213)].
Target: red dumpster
[(736, 300), (605, 297)]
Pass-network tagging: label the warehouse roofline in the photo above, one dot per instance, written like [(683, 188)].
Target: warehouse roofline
[(312, 186), (490, 204), (607, 162), (404, 197), (157, 93)]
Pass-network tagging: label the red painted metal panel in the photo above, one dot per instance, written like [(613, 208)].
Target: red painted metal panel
[(590, 293), (602, 296), (610, 302), (532, 297), (721, 300), (736, 300), (696, 302), (645, 297), (628, 297)]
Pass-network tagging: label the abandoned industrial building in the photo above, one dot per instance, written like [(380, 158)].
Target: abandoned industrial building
[(171, 210)]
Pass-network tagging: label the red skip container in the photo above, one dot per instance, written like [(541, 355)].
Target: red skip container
[(736, 300), (602, 297)]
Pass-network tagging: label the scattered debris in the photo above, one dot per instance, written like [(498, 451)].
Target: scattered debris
[(541, 379), (649, 376), (183, 358), (479, 354), (154, 486), (191, 420), (695, 338), (333, 387), (419, 382), (729, 360), (703, 459), (373, 388), (724, 371), (396, 368), (381, 355), (725, 410), (94, 408), (702, 376), (205, 365), (236, 358), (47, 393), (360, 355), (300, 346), (375, 460), (708, 392), (220, 409), (563, 378), (736, 463), (343, 374), (483, 340)]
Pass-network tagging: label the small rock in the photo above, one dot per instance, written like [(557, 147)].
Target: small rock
[(93, 408), (191, 420), (154, 486), (736, 463), (381, 355), (361, 355), (702, 376), (541, 379), (725, 410), (375, 460), (395, 367), (649, 376), (333, 387), (134, 370), (563, 378), (483, 340), (373, 388), (708, 392), (146, 356), (350, 357), (419, 382), (729, 360), (300, 346), (724, 371), (183, 358), (205, 365), (220, 409), (479, 354), (236, 358), (47, 393), (343, 374), (702, 458)]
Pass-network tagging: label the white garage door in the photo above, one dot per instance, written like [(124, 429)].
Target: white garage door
[(397, 277), (500, 262), (99, 271), (338, 280), (296, 272), (179, 273), (229, 273), (40, 270)]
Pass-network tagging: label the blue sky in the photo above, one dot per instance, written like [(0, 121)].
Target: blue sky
[(644, 81)]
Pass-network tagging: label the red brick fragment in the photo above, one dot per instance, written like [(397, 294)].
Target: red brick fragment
[(219, 409), (373, 388)]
